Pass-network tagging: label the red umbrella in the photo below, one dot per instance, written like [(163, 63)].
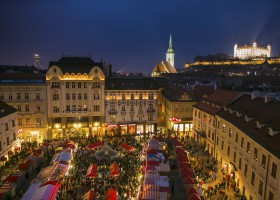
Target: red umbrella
[(92, 171)]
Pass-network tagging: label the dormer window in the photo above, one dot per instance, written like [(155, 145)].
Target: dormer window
[(247, 119), (271, 132), (225, 109), (231, 111), (258, 125), (238, 114)]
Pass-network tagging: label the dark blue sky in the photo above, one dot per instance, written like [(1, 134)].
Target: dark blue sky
[(133, 35)]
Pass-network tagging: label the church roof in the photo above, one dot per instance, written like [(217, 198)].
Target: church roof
[(6, 109), (164, 67)]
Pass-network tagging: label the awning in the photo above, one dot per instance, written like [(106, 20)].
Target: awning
[(92, 171), (110, 194), (114, 170), (90, 195), (127, 147)]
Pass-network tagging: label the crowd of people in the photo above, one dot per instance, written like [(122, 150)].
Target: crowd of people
[(126, 183)]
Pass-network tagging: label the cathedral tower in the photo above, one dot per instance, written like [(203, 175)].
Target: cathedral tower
[(170, 53)]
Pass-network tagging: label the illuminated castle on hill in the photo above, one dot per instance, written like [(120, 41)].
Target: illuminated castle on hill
[(245, 52)]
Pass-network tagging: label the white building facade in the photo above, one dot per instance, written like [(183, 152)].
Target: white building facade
[(131, 105), (247, 52), (9, 142)]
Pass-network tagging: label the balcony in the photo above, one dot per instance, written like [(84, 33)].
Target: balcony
[(112, 112), (149, 110)]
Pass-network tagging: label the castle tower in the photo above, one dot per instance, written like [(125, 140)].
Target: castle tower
[(235, 51), (170, 53)]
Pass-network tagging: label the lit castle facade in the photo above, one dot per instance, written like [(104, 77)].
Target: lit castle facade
[(245, 52)]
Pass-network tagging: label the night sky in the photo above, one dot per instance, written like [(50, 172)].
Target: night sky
[(133, 35)]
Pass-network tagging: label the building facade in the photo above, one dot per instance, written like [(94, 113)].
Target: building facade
[(204, 121), (246, 52), (75, 96), (248, 136), (244, 138), (9, 141), (176, 107), (131, 105), (26, 92)]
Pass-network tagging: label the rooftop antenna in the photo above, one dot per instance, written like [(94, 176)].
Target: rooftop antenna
[(37, 62)]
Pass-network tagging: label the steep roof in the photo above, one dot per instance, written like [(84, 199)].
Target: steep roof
[(216, 101), (164, 67), (6, 110), (74, 64), (256, 110), (130, 83)]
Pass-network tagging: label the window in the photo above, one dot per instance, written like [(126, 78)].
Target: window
[(73, 108), (123, 107), (79, 108), (263, 161), (67, 108), (67, 84), (240, 163), (27, 108), (55, 97), (217, 140), (132, 96), (28, 121), (222, 145), (67, 96), (253, 178), (19, 108), (18, 95), (245, 170), (131, 117), (270, 195), (123, 96), (2, 96), (13, 123), (0, 145), (260, 187), (96, 108), (229, 132), (151, 96), (224, 127), (273, 170), (38, 108), (234, 156), (213, 136), (55, 84), (38, 121), (26, 95), (73, 96), (19, 121), (256, 153), (209, 133), (79, 85), (10, 96), (6, 126), (38, 96), (55, 109), (73, 85), (85, 96), (242, 142), (85, 85), (248, 147), (96, 96), (140, 96), (79, 96), (150, 117), (228, 150), (8, 141), (96, 85), (132, 108)]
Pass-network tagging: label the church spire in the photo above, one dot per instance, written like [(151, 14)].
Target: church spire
[(170, 50)]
